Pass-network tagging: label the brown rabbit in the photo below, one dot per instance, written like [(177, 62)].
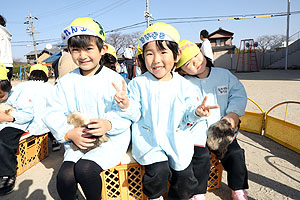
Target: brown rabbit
[(78, 120)]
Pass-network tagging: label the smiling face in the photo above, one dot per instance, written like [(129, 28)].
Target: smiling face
[(88, 58), (196, 66), (159, 62)]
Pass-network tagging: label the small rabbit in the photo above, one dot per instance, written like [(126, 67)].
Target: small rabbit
[(79, 120), (220, 135)]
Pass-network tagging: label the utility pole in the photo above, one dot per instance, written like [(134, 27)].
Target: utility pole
[(147, 13), (287, 36), (30, 22)]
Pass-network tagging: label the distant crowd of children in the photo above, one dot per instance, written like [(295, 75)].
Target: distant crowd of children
[(164, 114)]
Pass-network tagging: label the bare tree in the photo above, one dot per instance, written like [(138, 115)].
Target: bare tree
[(121, 41), (265, 42)]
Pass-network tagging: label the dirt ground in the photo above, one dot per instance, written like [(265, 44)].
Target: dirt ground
[(273, 170)]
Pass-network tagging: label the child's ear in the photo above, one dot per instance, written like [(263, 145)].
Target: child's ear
[(104, 49), (179, 55)]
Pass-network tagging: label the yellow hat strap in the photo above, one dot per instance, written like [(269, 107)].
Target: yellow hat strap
[(152, 36)]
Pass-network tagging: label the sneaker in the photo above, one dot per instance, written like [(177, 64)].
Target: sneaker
[(159, 198), (198, 197), (55, 145), (239, 195), (7, 184)]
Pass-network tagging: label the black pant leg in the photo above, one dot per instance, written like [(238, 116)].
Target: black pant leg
[(87, 174), (183, 184), (66, 184), (235, 165), (129, 67), (201, 167), (155, 179), (9, 143)]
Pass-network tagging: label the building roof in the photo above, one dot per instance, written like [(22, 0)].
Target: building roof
[(39, 52), (52, 58), (220, 31)]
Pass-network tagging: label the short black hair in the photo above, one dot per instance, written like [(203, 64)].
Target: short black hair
[(83, 41), (109, 61), (2, 21), (141, 63), (204, 33), (5, 85), (38, 75)]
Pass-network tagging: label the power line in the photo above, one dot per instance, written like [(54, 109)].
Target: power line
[(197, 19)]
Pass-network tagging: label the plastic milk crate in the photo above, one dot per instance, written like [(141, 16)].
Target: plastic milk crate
[(31, 151), (125, 181)]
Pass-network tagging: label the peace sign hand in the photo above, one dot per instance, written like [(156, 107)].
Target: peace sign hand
[(121, 96), (204, 110)]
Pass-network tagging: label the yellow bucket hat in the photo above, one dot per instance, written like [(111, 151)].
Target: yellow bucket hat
[(3, 72), (39, 67), (111, 50), (159, 31), (83, 26), (189, 50)]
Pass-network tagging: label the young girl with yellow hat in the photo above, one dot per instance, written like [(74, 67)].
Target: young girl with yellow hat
[(225, 90), (161, 104), (12, 125), (88, 90), (110, 60), (38, 79)]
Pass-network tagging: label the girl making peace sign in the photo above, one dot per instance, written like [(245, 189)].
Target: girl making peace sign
[(163, 108)]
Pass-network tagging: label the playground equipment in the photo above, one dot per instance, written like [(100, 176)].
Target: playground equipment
[(247, 59)]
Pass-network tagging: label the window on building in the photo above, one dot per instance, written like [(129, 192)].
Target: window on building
[(220, 42)]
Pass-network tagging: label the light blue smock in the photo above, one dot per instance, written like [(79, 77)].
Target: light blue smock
[(39, 92), (222, 88), (161, 111), (93, 96), (24, 110)]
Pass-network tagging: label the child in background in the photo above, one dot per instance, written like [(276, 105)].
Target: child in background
[(12, 126), (225, 90), (88, 90), (38, 79), (139, 61), (109, 60), (160, 103)]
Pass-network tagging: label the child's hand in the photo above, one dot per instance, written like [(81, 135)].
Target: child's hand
[(204, 110), (98, 127), (121, 96), (80, 138)]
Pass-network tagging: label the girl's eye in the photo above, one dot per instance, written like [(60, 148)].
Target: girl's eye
[(148, 54), (74, 50), (89, 48)]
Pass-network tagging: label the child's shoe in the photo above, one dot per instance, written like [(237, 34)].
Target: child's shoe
[(239, 195), (55, 145), (198, 197), (7, 184), (159, 198)]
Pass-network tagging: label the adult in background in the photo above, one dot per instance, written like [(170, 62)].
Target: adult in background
[(129, 62), (5, 47), (206, 46)]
